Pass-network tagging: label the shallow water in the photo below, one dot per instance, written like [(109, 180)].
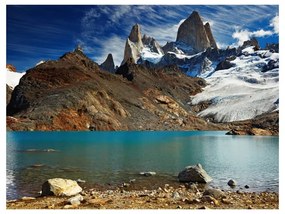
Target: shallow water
[(111, 158)]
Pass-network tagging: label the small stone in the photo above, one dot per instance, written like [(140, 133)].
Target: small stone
[(203, 208), (226, 201), (246, 186), (178, 207), (147, 174), (210, 199), (232, 183), (75, 200), (126, 184), (194, 174), (132, 180), (68, 206), (175, 195), (216, 193), (25, 198), (80, 181)]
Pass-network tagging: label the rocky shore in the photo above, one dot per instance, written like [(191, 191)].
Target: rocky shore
[(191, 193), (166, 197)]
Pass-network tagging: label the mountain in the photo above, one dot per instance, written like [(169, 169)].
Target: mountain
[(73, 93), (193, 33), (108, 64), (188, 84)]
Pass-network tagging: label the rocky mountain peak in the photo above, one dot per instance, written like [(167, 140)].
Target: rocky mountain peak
[(151, 43), (135, 35), (133, 45), (108, 64), (192, 32), (210, 35)]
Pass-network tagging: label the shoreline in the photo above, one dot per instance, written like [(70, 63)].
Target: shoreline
[(186, 196)]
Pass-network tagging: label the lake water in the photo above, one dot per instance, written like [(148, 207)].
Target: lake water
[(107, 159)]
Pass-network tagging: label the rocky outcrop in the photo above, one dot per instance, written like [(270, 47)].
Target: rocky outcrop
[(108, 64), (194, 174), (8, 93), (193, 33), (11, 68), (60, 187), (226, 64), (252, 42), (133, 45), (210, 35), (152, 44)]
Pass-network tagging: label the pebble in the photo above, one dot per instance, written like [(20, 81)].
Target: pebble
[(132, 181), (175, 195), (80, 181), (178, 207), (75, 200), (25, 198), (68, 206), (147, 174), (246, 186), (126, 184)]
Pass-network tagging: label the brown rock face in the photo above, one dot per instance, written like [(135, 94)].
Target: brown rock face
[(193, 33), (108, 64), (210, 35), (133, 44)]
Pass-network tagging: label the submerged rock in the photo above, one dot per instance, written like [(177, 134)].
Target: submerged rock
[(148, 173), (194, 174), (60, 187), (232, 183)]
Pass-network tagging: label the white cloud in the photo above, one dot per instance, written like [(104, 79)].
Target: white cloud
[(163, 33), (275, 24), (244, 35), (114, 45)]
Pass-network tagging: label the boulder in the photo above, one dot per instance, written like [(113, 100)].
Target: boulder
[(60, 187), (232, 183), (194, 174)]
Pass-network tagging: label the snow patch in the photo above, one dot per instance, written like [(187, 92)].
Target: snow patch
[(147, 54), (13, 78)]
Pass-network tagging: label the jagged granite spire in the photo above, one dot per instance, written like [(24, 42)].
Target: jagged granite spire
[(133, 44), (193, 33), (210, 35), (108, 64)]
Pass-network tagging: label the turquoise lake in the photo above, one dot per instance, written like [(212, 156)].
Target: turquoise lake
[(107, 159)]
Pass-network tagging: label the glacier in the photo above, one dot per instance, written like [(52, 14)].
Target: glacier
[(242, 91)]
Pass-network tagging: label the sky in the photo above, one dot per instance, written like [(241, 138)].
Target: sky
[(46, 32)]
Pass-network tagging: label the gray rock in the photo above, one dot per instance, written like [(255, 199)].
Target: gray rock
[(246, 186), (75, 200), (216, 193), (194, 174), (175, 195), (232, 183), (60, 187), (148, 173)]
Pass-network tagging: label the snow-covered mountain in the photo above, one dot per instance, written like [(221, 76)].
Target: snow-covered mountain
[(247, 89), (242, 82)]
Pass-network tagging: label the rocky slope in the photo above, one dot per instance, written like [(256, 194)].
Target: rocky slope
[(72, 93)]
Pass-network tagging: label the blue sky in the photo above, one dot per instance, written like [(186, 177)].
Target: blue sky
[(36, 33)]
